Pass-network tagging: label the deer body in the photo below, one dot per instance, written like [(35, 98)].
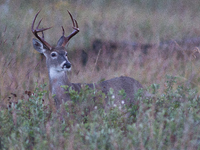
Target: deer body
[(58, 65)]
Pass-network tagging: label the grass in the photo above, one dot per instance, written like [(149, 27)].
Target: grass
[(169, 120)]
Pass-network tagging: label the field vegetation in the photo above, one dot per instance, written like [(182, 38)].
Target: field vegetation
[(153, 41)]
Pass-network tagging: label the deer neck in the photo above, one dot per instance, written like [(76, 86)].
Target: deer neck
[(57, 79)]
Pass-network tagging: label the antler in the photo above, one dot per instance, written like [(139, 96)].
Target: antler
[(75, 31), (36, 31)]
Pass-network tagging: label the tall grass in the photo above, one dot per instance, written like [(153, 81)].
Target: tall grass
[(120, 22)]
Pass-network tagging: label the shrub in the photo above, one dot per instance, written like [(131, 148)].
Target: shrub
[(167, 120)]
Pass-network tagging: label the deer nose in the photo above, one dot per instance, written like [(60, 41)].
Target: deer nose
[(67, 65)]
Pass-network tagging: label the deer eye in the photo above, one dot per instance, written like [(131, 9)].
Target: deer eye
[(53, 54)]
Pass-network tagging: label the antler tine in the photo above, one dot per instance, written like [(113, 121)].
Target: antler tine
[(74, 32), (32, 27), (63, 31), (76, 23), (71, 17), (37, 30), (39, 23)]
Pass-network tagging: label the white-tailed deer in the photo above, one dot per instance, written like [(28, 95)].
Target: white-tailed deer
[(58, 64)]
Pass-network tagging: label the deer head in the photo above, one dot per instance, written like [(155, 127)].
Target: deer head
[(56, 57)]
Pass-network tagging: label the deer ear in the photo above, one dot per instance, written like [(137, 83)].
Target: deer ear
[(38, 46), (60, 41)]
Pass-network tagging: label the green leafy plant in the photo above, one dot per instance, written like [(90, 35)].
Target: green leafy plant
[(160, 121), (25, 119)]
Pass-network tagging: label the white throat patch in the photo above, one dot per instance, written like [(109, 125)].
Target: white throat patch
[(53, 73)]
